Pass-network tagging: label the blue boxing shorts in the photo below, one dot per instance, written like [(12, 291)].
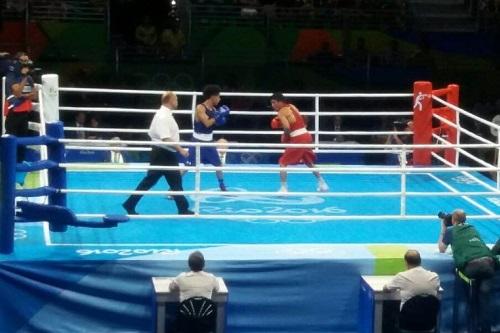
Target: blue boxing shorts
[(209, 155)]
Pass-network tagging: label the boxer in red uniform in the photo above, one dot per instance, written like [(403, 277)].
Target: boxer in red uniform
[(295, 131)]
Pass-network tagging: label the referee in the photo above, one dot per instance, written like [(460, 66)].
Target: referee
[(163, 128)]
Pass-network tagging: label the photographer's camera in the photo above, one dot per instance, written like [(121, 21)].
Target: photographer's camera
[(400, 125), (446, 218)]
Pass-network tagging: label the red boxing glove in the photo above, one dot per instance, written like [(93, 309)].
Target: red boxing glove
[(276, 123), (285, 138)]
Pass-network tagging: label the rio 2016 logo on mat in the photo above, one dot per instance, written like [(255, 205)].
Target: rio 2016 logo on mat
[(267, 205), (465, 180), (286, 201)]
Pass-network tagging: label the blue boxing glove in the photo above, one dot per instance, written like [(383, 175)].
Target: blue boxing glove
[(224, 109), (221, 115), (220, 119)]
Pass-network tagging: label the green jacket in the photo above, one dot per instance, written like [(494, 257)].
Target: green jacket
[(467, 245)]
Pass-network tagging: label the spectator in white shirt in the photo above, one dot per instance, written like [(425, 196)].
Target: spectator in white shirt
[(415, 280), (195, 283)]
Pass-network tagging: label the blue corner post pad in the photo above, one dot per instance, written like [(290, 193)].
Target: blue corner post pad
[(59, 215)]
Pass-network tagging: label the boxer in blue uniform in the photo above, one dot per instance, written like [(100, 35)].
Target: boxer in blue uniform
[(206, 118)]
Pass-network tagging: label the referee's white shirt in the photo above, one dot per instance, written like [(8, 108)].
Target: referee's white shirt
[(163, 126), (413, 282), (193, 284)]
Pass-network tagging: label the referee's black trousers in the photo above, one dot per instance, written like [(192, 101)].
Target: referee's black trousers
[(161, 157)]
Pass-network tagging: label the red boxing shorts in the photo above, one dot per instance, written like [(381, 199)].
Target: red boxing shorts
[(298, 155)]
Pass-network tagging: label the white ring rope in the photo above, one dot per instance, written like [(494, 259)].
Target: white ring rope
[(117, 109), (264, 151), (278, 194), (466, 113), (245, 132), (292, 217), (464, 152), (442, 159), (463, 130), (235, 112), (235, 94), (349, 170), (467, 174), (280, 145)]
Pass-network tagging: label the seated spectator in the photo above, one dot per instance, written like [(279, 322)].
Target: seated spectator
[(145, 33), (79, 121), (196, 282), (415, 280), (172, 41), (94, 123)]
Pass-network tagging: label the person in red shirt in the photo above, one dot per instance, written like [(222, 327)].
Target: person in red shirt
[(295, 131)]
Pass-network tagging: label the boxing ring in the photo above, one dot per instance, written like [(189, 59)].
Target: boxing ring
[(253, 235)]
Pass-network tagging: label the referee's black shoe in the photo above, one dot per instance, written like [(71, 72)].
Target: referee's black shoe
[(130, 210), (186, 212)]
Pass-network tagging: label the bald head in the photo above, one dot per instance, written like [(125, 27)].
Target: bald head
[(169, 99), (412, 258), (458, 216)]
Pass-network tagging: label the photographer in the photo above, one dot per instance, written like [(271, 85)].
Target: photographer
[(401, 126), (20, 93), (402, 139), (472, 258)]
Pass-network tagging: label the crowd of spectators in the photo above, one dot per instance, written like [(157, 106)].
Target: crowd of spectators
[(167, 42), (322, 12), (154, 31), (55, 9), (382, 4)]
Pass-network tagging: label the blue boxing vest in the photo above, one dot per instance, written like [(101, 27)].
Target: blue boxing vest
[(202, 132)]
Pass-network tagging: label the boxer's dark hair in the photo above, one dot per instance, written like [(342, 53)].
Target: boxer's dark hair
[(211, 90), (277, 96)]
